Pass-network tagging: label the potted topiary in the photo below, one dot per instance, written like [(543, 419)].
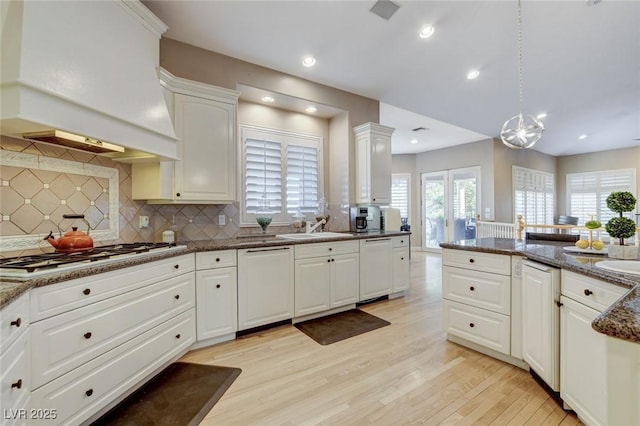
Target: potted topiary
[(621, 227)]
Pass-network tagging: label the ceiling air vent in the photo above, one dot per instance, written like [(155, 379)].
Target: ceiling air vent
[(385, 9)]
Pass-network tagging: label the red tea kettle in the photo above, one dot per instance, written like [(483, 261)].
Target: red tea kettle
[(71, 241)]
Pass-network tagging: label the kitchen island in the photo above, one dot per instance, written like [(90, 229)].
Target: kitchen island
[(557, 300)]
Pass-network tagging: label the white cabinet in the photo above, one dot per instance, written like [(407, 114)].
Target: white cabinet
[(205, 123), (373, 163), (376, 268), (541, 321), (584, 363), (401, 278), (326, 276), (216, 294), (265, 286), (476, 288)]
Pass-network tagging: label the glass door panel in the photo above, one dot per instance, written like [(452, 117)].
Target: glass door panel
[(433, 202), (464, 202)]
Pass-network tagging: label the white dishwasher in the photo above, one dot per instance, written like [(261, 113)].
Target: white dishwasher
[(541, 321)]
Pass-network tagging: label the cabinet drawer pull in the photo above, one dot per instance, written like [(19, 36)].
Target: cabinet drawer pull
[(401, 241), (176, 266), (87, 335), (17, 384), (178, 336), (217, 285), (177, 194), (177, 296), (402, 258), (328, 260), (330, 249), (471, 325), (17, 322), (333, 260), (273, 249), (217, 259), (559, 303), (89, 392), (86, 291), (471, 260), (587, 292), (472, 288)]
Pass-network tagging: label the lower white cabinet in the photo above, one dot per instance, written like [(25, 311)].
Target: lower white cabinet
[(376, 266), (265, 286), (312, 285), (15, 379), (583, 367), (216, 294), (401, 277), (541, 321), (345, 279)]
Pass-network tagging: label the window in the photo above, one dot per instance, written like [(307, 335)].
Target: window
[(533, 195), (281, 174), (401, 194), (587, 192)]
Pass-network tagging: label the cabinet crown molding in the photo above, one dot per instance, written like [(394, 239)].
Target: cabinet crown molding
[(195, 88), (374, 128)]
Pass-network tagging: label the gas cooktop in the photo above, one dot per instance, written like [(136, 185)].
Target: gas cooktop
[(30, 266)]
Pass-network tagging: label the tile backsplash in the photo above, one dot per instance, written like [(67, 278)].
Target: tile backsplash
[(32, 201)]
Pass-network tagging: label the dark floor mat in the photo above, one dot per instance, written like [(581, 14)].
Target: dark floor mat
[(182, 394), (336, 327)]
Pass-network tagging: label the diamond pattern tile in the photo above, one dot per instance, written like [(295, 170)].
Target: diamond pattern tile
[(45, 201), (27, 218), (78, 202), (78, 180), (92, 189), (11, 201), (26, 184), (8, 172), (62, 187)]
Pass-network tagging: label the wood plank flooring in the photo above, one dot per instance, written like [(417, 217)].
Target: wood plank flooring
[(402, 374)]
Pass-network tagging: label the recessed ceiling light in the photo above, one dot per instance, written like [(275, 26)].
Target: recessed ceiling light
[(473, 74), (267, 99), (308, 61), (426, 31), (541, 115), (583, 136), (311, 109), (414, 141)]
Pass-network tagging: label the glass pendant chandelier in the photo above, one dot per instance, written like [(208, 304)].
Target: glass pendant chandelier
[(523, 130)]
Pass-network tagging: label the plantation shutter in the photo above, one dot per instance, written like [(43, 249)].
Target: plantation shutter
[(302, 178), (263, 176), (533, 195), (400, 194)]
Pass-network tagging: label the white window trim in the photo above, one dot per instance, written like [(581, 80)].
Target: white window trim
[(302, 139), (514, 169), (409, 177)]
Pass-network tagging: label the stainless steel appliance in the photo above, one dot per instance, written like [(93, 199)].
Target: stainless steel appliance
[(359, 219), (31, 266)]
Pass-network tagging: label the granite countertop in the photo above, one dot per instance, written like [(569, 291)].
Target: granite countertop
[(621, 320), (11, 289)]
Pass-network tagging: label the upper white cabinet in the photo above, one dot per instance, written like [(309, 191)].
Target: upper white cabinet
[(205, 123), (373, 163)]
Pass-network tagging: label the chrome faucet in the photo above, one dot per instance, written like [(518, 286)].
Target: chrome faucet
[(311, 229)]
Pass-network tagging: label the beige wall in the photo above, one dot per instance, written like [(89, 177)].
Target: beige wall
[(205, 66), (406, 163), (503, 161), (604, 160)]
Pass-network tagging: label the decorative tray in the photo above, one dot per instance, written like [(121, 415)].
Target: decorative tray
[(574, 249)]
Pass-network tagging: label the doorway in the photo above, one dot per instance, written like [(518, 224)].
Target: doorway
[(450, 203)]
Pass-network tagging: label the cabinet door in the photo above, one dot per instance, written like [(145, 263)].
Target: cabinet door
[(401, 276), (381, 169), (216, 302), (265, 286), (583, 363), (312, 285), (375, 268), (373, 163), (540, 318), (345, 279), (206, 129)]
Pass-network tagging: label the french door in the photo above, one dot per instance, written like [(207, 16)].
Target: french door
[(450, 202)]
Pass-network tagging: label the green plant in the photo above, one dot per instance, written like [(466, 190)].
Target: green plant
[(621, 227)]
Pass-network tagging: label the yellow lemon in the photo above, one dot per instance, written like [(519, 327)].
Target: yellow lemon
[(597, 245), (583, 244)]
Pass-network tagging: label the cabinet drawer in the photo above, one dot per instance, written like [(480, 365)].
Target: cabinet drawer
[(304, 251), (85, 390), (14, 376), (479, 289), (477, 261), (57, 298), (400, 241), (216, 259), (69, 340), (485, 328), (14, 320), (596, 294)]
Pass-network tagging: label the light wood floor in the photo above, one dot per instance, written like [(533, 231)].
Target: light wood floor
[(402, 374)]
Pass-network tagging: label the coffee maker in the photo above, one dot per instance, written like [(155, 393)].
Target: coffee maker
[(359, 218)]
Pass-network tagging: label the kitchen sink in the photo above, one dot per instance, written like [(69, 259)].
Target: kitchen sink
[(313, 236), (622, 266)]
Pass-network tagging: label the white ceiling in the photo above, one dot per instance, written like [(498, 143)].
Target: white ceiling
[(581, 62)]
